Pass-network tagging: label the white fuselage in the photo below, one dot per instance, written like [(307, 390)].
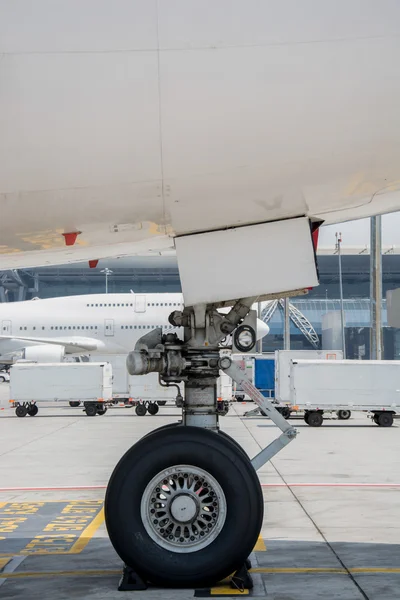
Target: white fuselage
[(95, 324), (133, 122)]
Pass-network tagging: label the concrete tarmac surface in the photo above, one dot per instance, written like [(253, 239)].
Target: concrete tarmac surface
[(332, 506)]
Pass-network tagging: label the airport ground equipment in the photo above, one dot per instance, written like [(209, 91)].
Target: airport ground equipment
[(128, 388), (270, 374), (34, 383), (341, 386), (184, 505)]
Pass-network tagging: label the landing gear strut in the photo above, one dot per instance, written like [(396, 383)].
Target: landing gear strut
[(184, 505)]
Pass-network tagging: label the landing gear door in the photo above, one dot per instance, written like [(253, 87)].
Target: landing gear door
[(6, 328), (109, 327), (140, 303)]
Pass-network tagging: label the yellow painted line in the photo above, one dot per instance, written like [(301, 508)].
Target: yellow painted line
[(2, 504), (260, 545), (87, 534), (3, 562), (215, 591), (226, 590), (37, 574), (298, 570), (373, 570)]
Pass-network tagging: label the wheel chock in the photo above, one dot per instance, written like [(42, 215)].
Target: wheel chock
[(131, 581), (242, 580)]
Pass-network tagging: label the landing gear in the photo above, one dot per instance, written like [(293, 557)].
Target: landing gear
[(184, 505), (178, 518), (152, 408), (343, 415)]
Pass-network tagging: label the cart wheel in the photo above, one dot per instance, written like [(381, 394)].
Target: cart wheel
[(74, 403), (21, 411), (376, 419), (91, 410), (102, 411), (140, 410), (306, 415), (32, 410), (343, 415), (153, 408), (315, 419), (385, 419)]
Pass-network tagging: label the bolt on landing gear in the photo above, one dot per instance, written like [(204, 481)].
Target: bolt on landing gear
[(184, 505)]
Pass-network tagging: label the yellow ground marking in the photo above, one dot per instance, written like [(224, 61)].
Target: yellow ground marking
[(37, 574), (87, 534), (260, 545), (2, 504), (3, 562), (112, 572), (226, 590)]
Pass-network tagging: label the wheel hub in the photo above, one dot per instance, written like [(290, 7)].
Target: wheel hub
[(183, 508)]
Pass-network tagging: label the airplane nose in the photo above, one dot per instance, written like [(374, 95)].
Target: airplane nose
[(262, 329)]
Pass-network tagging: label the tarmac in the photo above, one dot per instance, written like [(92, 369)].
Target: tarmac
[(331, 506)]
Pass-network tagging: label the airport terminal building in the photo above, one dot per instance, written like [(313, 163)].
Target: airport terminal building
[(160, 274)]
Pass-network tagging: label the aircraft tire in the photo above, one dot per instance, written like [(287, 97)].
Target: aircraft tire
[(205, 553), (220, 432)]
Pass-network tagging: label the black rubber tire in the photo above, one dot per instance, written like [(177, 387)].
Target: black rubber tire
[(385, 419), (376, 417), (33, 410), (2, 379), (102, 411), (153, 408), (21, 411), (140, 410), (91, 410), (306, 414), (161, 402), (74, 403), (234, 473), (220, 432), (285, 411), (343, 415), (315, 419)]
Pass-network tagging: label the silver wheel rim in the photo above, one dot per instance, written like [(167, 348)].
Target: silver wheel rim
[(183, 509)]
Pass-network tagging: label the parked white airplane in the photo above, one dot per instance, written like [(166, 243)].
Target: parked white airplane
[(46, 330), (228, 128)]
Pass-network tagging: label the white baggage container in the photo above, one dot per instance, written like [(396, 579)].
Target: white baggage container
[(32, 383), (364, 385), (283, 360)]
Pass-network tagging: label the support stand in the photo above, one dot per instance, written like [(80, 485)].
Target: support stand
[(131, 581)]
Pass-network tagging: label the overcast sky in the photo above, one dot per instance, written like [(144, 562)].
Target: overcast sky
[(356, 233)]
